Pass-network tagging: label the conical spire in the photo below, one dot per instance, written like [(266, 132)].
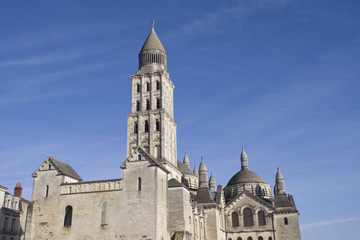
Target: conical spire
[(195, 171), (152, 56), (203, 174), (186, 160), (279, 184), (244, 159), (153, 42), (212, 183)]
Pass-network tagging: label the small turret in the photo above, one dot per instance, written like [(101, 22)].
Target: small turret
[(195, 171), (203, 174), (186, 160), (279, 184), (212, 183), (244, 159)]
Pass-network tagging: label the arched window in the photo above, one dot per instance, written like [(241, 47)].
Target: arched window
[(68, 216), (6, 224), (249, 238), (286, 221), (137, 106), (157, 85), (147, 86), (230, 239), (248, 217), (261, 218), (137, 88), (235, 219), (158, 103), (270, 238), (139, 157), (148, 104), (260, 238), (49, 166), (139, 184), (146, 126), (157, 125), (13, 225), (47, 191), (136, 127), (104, 213), (239, 238)]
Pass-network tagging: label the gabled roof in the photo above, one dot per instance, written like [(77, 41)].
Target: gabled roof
[(2, 187), (284, 202), (184, 169), (173, 183), (146, 156), (60, 167), (252, 196), (203, 195)]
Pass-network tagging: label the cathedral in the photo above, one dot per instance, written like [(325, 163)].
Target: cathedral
[(158, 197)]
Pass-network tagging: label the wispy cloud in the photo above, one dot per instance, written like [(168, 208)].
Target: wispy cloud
[(327, 223), (214, 21)]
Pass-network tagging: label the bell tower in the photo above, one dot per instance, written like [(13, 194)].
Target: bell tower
[(151, 122)]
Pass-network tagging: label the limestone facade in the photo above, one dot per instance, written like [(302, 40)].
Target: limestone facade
[(157, 197)]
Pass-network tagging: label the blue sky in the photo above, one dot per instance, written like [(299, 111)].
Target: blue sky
[(279, 77)]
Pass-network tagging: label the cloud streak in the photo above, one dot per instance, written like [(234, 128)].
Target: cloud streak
[(327, 223)]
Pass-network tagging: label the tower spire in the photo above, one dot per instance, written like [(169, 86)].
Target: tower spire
[(203, 174), (152, 24), (244, 159), (212, 183), (186, 160), (279, 184)]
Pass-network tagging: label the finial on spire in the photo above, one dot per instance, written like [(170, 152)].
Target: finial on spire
[(152, 24)]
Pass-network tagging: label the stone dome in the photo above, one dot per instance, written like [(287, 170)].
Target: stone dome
[(245, 176)]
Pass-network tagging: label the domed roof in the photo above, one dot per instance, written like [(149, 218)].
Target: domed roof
[(245, 176), (153, 42)]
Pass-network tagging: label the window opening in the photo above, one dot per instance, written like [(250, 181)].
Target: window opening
[(286, 222), (137, 88), (139, 184), (157, 125), (248, 217), (68, 216), (47, 191), (13, 225), (147, 105), (6, 224), (147, 86), (235, 219), (146, 126), (158, 103), (136, 126), (137, 106), (103, 213), (157, 85), (261, 217)]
